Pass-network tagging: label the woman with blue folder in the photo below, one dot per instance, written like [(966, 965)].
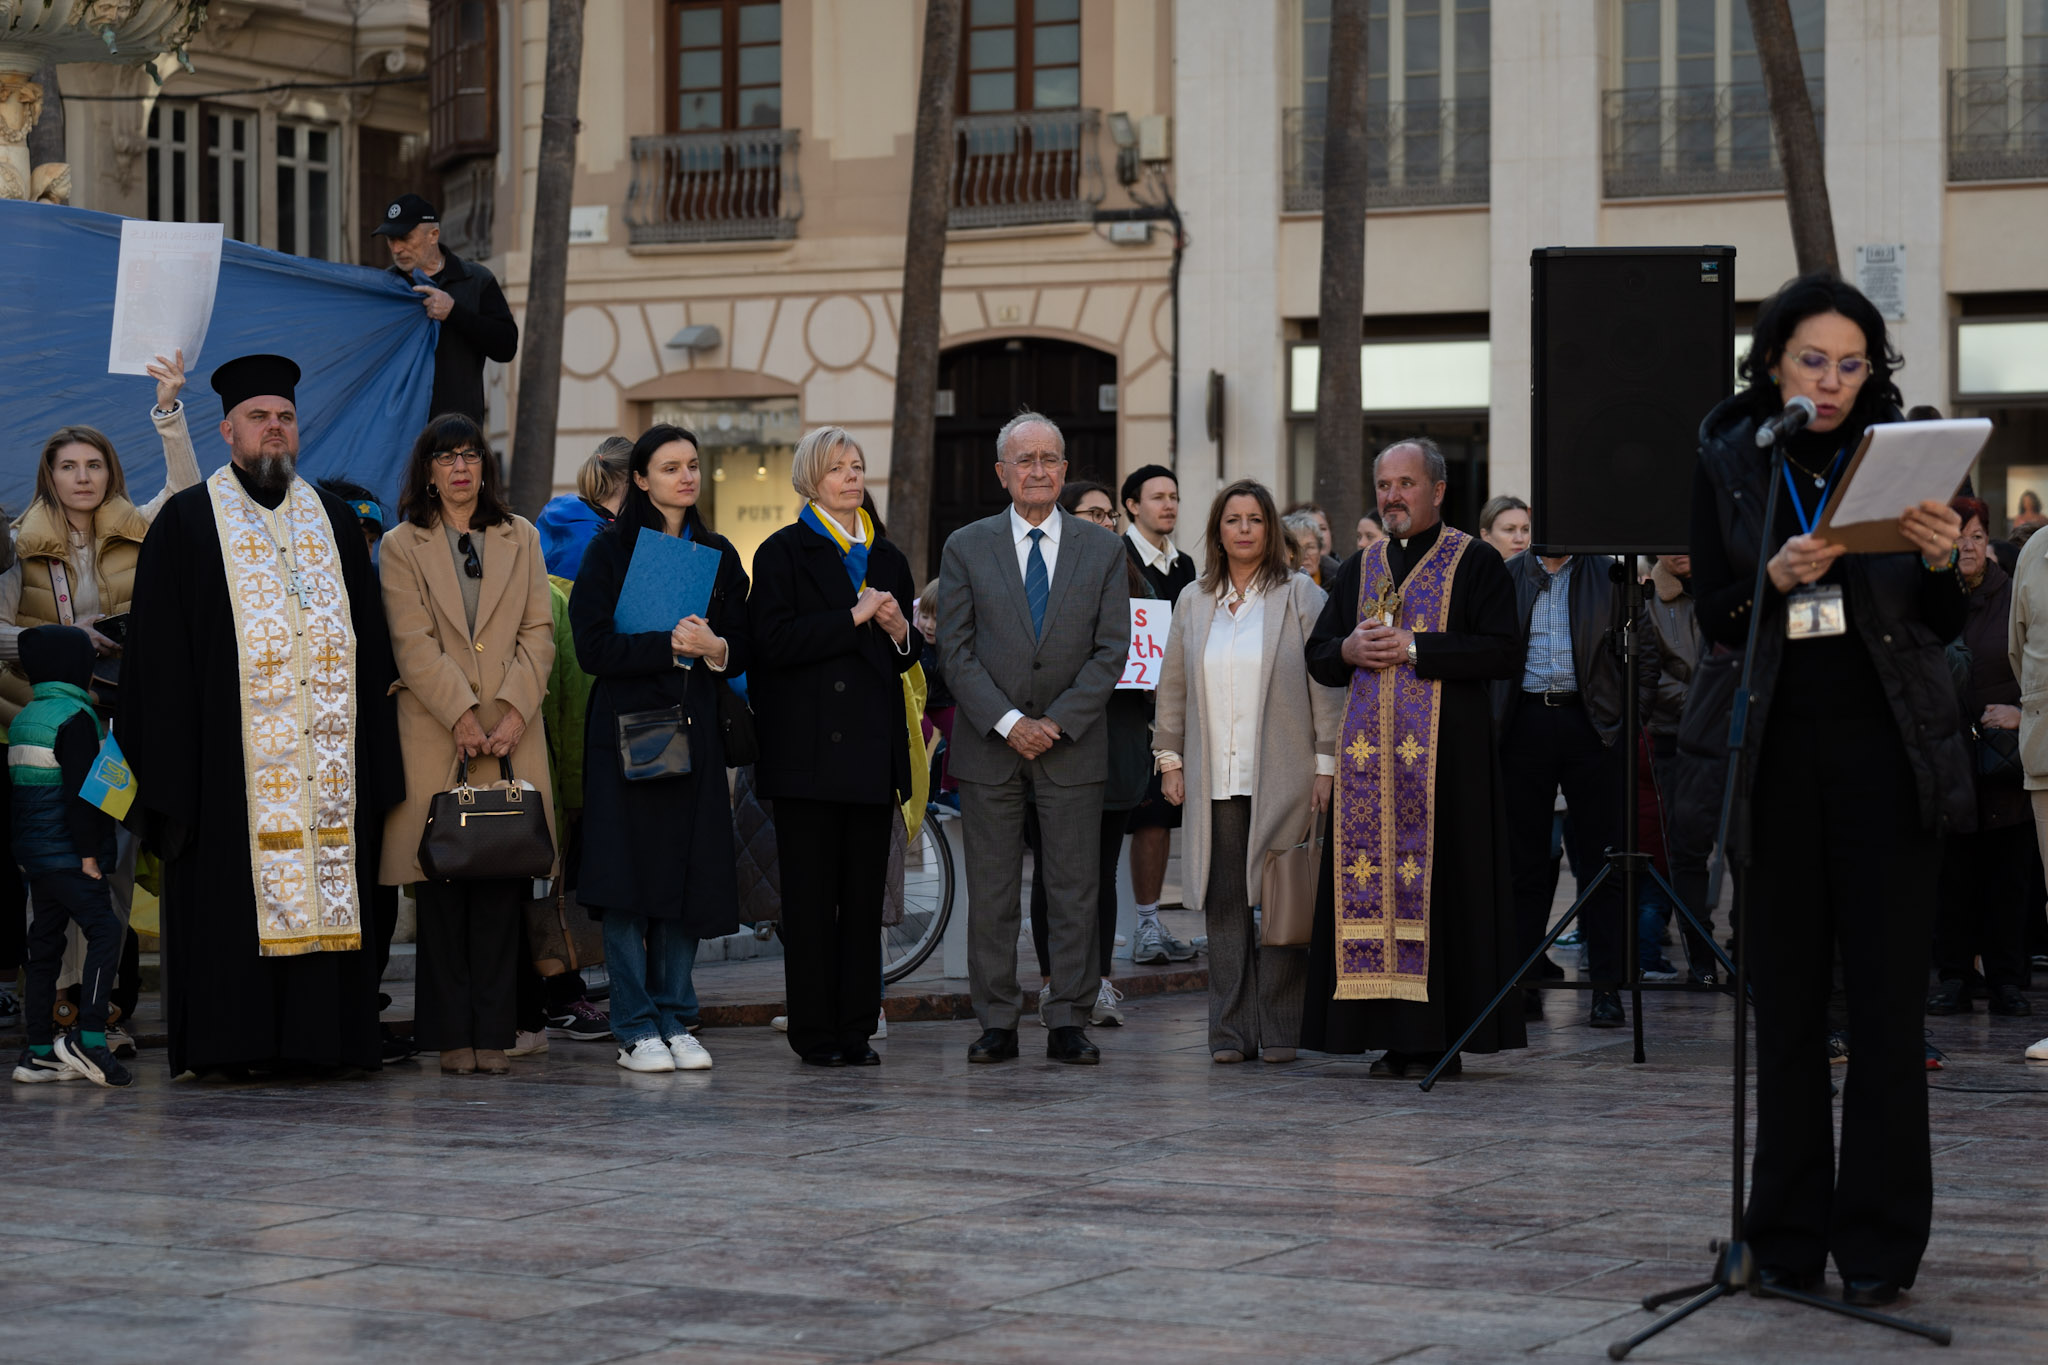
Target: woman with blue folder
[(657, 864)]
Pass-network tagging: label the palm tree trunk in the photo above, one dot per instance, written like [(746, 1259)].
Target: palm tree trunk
[(1340, 414), (1798, 136), (554, 184), (924, 265)]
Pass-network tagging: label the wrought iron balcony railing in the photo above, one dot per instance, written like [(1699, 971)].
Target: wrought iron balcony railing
[(1416, 154), (1691, 140), (714, 187), (1998, 123), (1035, 166)]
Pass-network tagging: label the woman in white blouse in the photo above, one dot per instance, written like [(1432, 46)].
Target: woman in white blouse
[(1242, 731)]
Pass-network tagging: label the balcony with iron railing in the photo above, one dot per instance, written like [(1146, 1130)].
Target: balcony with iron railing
[(733, 186), (1998, 123), (1694, 140), (1032, 166), (1416, 155)]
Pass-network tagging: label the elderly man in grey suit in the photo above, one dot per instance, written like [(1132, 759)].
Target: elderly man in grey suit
[(1034, 627)]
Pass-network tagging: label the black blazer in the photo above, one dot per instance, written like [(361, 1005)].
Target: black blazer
[(827, 694)]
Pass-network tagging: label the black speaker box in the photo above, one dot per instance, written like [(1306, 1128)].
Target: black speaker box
[(1632, 347)]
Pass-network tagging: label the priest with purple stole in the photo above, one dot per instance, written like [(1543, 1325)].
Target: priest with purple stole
[(1415, 925)]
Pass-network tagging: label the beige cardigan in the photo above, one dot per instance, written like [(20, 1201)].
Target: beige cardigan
[(1299, 720), (443, 671)]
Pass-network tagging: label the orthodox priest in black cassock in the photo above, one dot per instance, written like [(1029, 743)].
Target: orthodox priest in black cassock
[(1414, 927), (256, 716)]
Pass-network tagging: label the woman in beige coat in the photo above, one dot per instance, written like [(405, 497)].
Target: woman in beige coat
[(1246, 736), (473, 628)]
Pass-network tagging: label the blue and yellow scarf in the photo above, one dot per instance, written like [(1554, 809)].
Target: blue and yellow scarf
[(853, 554)]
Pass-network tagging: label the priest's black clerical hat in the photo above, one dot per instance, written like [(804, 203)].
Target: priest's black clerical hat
[(255, 376)]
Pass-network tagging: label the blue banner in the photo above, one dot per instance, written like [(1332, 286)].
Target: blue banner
[(361, 337)]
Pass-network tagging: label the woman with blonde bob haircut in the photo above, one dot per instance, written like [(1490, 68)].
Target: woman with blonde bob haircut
[(1245, 735), (830, 613)]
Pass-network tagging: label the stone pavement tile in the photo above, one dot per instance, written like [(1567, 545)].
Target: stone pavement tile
[(1680, 1234), (656, 1219), (370, 1190), (14, 1247), (771, 1320), (716, 1353), (149, 1329), (448, 1243), (1113, 1243), (868, 1271), (1744, 1330), (451, 1293), (1389, 1314), (152, 1219), (1432, 1265), (1271, 1169), (127, 1270), (1034, 1338), (1304, 1213)]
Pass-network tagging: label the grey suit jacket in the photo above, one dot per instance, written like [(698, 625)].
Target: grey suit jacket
[(991, 662)]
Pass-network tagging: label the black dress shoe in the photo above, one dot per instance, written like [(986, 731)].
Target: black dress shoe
[(1870, 1293), (861, 1056), (1389, 1066), (1804, 1282), (1607, 1010), (995, 1045), (823, 1059), (1070, 1044), (1948, 998), (2008, 1001)]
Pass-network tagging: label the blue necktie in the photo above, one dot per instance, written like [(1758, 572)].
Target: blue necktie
[(1037, 584)]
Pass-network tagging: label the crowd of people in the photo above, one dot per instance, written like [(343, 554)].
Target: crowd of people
[(296, 686)]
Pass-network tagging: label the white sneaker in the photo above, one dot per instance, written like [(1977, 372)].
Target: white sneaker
[(525, 1044), (648, 1054), (2038, 1052), (881, 1023), (1044, 995), (780, 1023), (1150, 947), (1106, 1013), (688, 1053), (1121, 940)]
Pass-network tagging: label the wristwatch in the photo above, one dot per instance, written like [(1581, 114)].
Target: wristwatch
[(1411, 651)]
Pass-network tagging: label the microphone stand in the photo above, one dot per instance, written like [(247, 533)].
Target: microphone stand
[(1736, 1271)]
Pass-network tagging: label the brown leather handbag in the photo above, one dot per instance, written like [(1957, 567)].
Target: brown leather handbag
[(1287, 890), (488, 832)]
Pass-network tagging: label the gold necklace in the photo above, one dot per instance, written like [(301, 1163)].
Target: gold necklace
[(1819, 480)]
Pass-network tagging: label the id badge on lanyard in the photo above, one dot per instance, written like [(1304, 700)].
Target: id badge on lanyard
[(1818, 609)]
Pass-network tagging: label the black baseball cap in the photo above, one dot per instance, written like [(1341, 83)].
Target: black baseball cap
[(405, 213)]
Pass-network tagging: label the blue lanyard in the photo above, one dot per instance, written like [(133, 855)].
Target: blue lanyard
[(1806, 522)]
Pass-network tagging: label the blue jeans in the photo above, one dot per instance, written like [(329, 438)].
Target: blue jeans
[(650, 961)]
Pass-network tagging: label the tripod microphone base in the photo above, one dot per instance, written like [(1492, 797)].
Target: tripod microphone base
[(1737, 1274)]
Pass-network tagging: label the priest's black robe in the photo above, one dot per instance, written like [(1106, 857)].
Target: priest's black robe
[(181, 728), (1471, 908)]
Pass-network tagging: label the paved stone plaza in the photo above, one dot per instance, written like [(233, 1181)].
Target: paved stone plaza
[(1158, 1207)]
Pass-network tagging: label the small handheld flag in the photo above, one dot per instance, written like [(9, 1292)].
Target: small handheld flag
[(111, 783)]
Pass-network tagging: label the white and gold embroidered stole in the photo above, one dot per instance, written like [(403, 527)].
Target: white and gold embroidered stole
[(297, 651)]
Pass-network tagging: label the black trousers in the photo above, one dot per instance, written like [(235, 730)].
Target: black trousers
[(1114, 825), (1983, 905), (470, 937), (1842, 864), (13, 889), (835, 864), (61, 899), (1542, 749)]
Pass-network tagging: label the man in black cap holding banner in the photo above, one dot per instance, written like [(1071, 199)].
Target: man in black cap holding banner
[(476, 323), (257, 719)]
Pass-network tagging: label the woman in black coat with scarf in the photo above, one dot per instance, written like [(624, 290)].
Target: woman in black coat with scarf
[(830, 615), (657, 858), (1859, 774)]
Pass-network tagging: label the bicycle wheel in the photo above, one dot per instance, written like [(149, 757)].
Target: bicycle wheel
[(927, 900)]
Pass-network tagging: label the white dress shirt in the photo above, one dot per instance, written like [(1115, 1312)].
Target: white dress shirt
[(1150, 556), (1231, 700), (1049, 551)]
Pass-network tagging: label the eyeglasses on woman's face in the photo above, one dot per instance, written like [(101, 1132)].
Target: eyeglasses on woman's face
[(448, 459), (1101, 516), (1852, 369)]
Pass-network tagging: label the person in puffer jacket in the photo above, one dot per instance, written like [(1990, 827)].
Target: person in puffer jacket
[(66, 846)]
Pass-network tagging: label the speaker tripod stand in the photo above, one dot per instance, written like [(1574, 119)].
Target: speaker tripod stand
[(1736, 1270)]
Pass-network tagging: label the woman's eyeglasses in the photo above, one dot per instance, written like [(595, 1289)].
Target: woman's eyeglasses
[(472, 563), (448, 459), (1853, 369), (1101, 516)]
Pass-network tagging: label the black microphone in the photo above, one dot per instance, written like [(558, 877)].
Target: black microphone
[(1796, 415)]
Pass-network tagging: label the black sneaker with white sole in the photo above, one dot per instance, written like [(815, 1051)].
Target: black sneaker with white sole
[(29, 1069), (96, 1064)]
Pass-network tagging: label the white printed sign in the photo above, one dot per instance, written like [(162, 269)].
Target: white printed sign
[(163, 293), (1881, 275), (1150, 620)]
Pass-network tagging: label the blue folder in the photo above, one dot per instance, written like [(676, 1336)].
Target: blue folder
[(669, 578)]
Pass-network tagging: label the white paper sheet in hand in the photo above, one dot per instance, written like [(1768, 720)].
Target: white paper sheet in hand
[(1909, 463), (163, 294)]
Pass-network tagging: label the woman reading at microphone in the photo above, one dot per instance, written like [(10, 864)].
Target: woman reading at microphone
[(1859, 772)]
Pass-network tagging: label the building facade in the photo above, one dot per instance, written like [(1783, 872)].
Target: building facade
[(745, 166)]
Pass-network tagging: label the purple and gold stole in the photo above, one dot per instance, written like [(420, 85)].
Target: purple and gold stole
[(1386, 789)]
